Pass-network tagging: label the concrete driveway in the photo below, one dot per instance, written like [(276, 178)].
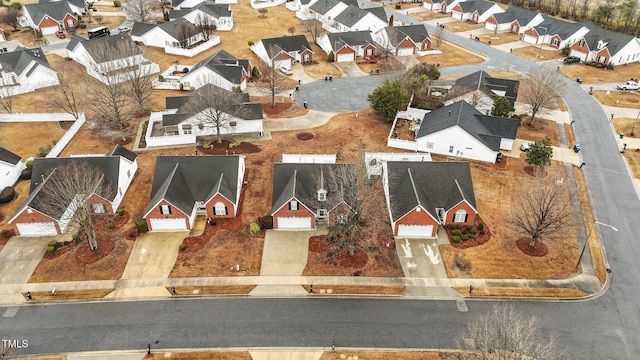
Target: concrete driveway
[(420, 258), (153, 255), (19, 258), (285, 252), (349, 69)]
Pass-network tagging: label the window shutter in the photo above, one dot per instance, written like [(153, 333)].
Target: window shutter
[(226, 212), (466, 216)]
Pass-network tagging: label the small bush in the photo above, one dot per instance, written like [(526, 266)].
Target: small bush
[(110, 225), (234, 144), (456, 232), (473, 231), (25, 174), (599, 66), (52, 243), (451, 227), (254, 228), (141, 224), (465, 237), (480, 226), (255, 72), (472, 236), (481, 232), (192, 89), (610, 66), (5, 234), (330, 56), (51, 250), (7, 194), (29, 164), (116, 3), (75, 237), (183, 247), (181, 86), (120, 212), (250, 43), (266, 222), (456, 239), (236, 89)]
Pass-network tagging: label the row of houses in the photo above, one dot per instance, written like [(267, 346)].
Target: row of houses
[(420, 195)]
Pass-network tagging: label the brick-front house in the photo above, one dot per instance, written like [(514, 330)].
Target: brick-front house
[(303, 197), (11, 166), (556, 33), (32, 219), (607, 47), (185, 186), (348, 46), (50, 17), (514, 20), (423, 195), (285, 50), (405, 40), (433, 5), (478, 11)]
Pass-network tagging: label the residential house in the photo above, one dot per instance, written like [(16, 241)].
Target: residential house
[(301, 7), (3, 36), (303, 198), (185, 186), (481, 89), (178, 37), (220, 69), (174, 127), (423, 195), (447, 6), (50, 17), (405, 40), (607, 47), (478, 11), (459, 130), (11, 167), (515, 20), (347, 46), (556, 33), (77, 6), (25, 70), (33, 219), (373, 161), (110, 59), (352, 18), (285, 50), (326, 10), (433, 5), (182, 4), (206, 14)]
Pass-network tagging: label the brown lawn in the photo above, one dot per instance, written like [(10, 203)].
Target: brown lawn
[(626, 125), (46, 296), (521, 292), (452, 55), (284, 107), (213, 290), (633, 159), (623, 99), (379, 355), (461, 26), (498, 38), (197, 355), (429, 15), (541, 128), (592, 75), (8, 210), (532, 52), (404, 6), (360, 290), (41, 135)]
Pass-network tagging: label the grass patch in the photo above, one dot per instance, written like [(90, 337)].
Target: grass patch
[(452, 55), (623, 99), (498, 38), (69, 294), (213, 290), (633, 159), (593, 75), (625, 125), (521, 292), (461, 26), (355, 289), (200, 355), (531, 53), (380, 355)]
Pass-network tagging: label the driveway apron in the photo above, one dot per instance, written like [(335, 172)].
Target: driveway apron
[(285, 252), (19, 258), (154, 255)]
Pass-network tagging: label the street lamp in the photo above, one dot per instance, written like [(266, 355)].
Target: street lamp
[(595, 223), (541, 42)]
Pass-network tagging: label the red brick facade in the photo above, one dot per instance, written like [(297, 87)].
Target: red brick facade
[(369, 51), (175, 214), (47, 21), (425, 45), (603, 56), (34, 217), (580, 45), (492, 20), (284, 56), (340, 209), (211, 207), (346, 50), (415, 217), (404, 44), (302, 211), (69, 19), (95, 199), (463, 205), (555, 41), (514, 28), (306, 55)]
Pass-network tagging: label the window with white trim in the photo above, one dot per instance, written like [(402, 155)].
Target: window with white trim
[(293, 205), (341, 219), (220, 208), (165, 209), (322, 213), (460, 216), (322, 195)]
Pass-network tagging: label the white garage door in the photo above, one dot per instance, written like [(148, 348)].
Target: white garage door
[(456, 15), (294, 223), (168, 224), (579, 54), (37, 229), (530, 39), (490, 26), (278, 63), (405, 51), (415, 230), (49, 30), (346, 57)]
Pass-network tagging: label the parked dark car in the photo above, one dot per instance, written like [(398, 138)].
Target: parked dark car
[(571, 60)]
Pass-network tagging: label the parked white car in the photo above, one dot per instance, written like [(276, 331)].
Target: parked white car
[(286, 70)]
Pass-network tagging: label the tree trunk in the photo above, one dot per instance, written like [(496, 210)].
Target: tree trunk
[(532, 243), (533, 116), (273, 99), (91, 236), (218, 133)]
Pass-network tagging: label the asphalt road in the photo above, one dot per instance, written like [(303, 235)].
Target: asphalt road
[(605, 328)]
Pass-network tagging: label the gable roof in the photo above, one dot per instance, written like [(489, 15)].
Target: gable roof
[(56, 10), (490, 86), (294, 43), (215, 10), (513, 13), (9, 157), (120, 150), (95, 46), (302, 181), (225, 65), (141, 28), (21, 58), (183, 180), (476, 5), (323, 6), (614, 41), (429, 184), (561, 28), (488, 130), (417, 33), (352, 14), (173, 28), (350, 38)]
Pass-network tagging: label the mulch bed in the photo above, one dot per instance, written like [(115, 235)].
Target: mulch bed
[(65, 125), (84, 255), (318, 244), (532, 170), (195, 243), (223, 148), (502, 164), (123, 140), (304, 136), (276, 109), (524, 122), (538, 250), (358, 260), (477, 241), (100, 222)]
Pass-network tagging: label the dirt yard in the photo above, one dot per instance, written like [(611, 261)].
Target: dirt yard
[(593, 75), (429, 15), (452, 55), (626, 125), (623, 99), (498, 38), (462, 26), (534, 53), (633, 159)]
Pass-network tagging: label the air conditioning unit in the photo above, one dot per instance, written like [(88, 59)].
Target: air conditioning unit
[(232, 123)]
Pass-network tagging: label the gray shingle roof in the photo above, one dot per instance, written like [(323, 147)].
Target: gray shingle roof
[(56, 10), (513, 13), (490, 86), (215, 10), (417, 33), (9, 157), (303, 181), (350, 38), (429, 184), (351, 15), (116, 46), (614, 41), (322, 6), (489, 130), (286, 43), (141, 28), (225, 65), (561, 28), (476, 5), (120, 150), (19, 60), (173, 28), (182, 180)]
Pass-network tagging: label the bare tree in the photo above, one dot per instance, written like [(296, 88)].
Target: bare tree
[(140, 84), (141, 10), (68, 191), (291, 30), (8, 90), (540, 88), (439, 35), (506, 334), (71, 94), (186, 31), (314, 27), (215, 107), (271, 81), (541, 210), (204, 23), (10, 18)]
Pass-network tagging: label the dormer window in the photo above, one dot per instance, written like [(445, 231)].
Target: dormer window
[(322, 195)]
